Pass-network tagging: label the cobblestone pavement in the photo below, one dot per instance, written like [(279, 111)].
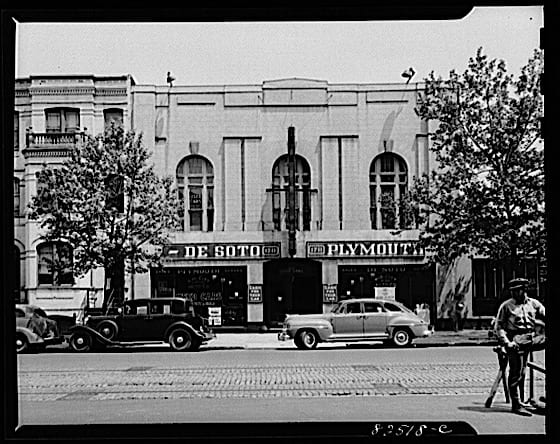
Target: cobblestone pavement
[(242, 381)]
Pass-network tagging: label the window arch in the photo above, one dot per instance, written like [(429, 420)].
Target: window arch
[(195, 185), (388, 182), (303, 193), (54, 263)]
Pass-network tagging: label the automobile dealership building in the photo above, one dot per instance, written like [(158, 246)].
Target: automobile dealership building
[(357, 149)]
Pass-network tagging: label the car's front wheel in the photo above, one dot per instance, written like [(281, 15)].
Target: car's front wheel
[(22, 344), (81, 342), (402, 337), (307, 339), (108, 329), (181, 339)]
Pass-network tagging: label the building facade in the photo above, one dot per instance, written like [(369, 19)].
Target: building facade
[(357, 149)]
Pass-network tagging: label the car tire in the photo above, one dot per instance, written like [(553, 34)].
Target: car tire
[(307, 339), (108, 329), (81, 342), (22, 344), (402, 337), (180, 339)]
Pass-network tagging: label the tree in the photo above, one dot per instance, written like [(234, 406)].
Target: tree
[(486, 195), (108, 204)]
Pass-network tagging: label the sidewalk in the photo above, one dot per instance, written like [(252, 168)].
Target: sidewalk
[(270, 340)]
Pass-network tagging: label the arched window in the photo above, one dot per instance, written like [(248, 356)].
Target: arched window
[(388, 180), (195, 184), (54, 261), (303, 193), (17, 197), (17, 272)]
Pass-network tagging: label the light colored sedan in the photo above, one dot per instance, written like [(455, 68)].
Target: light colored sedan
[(34, 329), (355, 320)]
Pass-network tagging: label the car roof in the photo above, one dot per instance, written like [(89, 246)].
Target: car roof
[(370, 300)]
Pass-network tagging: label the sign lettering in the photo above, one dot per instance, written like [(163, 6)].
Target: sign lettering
[(365, 249), (221, 251)]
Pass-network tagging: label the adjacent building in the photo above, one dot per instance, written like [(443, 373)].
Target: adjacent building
[(357, 149)]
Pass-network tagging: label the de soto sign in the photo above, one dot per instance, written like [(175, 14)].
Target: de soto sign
[(221, 251)]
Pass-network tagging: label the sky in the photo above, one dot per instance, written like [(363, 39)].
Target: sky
[(252, 52)]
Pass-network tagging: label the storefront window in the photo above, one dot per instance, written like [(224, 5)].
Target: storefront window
[(217, 292)]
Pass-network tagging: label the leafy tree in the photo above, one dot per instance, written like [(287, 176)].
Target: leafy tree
[(107, 202), (486, 195)]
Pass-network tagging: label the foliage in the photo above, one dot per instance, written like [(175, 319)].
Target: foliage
[(486, 194), (107, 202)]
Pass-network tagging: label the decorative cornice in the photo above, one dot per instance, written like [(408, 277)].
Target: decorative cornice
[(111, 91), (60, 91), (45, 152)]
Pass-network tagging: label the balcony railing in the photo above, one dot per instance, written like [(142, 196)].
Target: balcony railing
[(58, 139)]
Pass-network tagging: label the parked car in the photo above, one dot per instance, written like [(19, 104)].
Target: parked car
[(356, 320), (34, 329), (141, 321)]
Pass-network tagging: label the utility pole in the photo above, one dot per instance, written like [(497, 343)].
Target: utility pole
[(291, 196)]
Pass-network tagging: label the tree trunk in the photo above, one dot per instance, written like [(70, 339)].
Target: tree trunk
[(113, 290)]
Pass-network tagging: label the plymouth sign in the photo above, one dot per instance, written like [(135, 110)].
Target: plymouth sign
[(221, 251), (364, 249)]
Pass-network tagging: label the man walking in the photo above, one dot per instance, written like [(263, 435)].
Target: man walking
[(515, 323)]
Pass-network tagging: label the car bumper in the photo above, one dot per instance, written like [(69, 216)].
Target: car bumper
[(283, 336), (207, 336)]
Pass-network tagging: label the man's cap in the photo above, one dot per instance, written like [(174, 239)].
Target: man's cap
[(517, 283)]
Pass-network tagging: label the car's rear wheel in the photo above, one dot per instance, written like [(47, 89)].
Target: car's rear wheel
[(307, 339), (402, 337), (22, 344), (108, 330), (181, 339), (81, 341)]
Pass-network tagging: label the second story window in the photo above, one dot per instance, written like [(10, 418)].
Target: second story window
[(303, 193), (17, 198), (114, 193), (16, 131), (113, 115), (54, 263), (62, 120), (388, 180), (195, 184)]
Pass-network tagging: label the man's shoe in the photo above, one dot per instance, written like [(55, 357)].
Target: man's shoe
[(522, 411)]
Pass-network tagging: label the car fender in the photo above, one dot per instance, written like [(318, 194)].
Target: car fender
[(182, 324), (94, 334), (32, 338), (402, 322), (323, 327)]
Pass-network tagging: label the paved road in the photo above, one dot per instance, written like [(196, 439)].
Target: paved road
[(153, 384)]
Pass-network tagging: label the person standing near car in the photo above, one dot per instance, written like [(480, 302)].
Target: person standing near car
[(516, 320)]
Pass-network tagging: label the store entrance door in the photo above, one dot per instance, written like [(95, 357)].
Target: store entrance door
[(291, 286)]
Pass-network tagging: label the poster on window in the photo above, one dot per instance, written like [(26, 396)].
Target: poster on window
[(329, 293), (385, 293), (215, 315)]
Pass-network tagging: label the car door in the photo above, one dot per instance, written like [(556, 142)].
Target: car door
[(160, 318), (375, 320), (348, 321), (133, 322)]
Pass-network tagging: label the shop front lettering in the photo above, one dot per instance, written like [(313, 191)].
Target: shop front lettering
[(221, 251), (364, 249)]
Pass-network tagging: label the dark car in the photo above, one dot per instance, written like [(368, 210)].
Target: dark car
[(170, 320), (34, 329)]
